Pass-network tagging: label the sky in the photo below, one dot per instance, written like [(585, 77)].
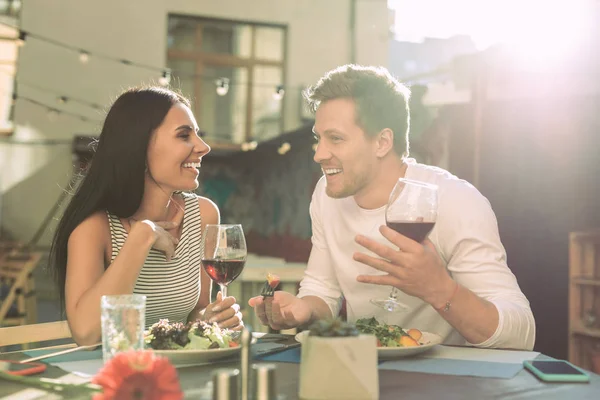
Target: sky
[(522, 23)]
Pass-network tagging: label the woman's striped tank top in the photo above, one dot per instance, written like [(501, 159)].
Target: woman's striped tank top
[(172, 288)]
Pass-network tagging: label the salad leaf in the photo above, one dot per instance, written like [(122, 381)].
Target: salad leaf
[(198, 342), (387, 335), (191, 336)]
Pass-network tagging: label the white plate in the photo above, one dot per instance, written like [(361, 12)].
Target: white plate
[(195, 357), (427, 341), (181, 358)]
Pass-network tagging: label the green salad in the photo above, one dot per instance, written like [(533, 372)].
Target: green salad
[(388, 335), (197, 335)]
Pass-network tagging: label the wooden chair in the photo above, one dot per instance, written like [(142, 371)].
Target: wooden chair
[(16, 273), (7, 247), (25, 334)]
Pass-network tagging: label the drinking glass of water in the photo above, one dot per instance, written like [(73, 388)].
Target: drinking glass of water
[(123, 323)]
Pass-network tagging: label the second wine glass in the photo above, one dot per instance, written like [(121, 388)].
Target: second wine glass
[(411, 211), (224, 253)]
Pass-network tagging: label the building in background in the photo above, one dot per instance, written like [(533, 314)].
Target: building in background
[(419, 62), (234, 74), (112, 45)]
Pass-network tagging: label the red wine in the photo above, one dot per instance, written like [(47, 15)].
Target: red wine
[(223, 271), (416, 231)]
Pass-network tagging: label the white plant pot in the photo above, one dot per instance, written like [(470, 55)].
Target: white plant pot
[(339, 368)]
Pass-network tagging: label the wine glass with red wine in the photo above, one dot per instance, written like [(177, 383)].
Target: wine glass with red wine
[(224, 253), (411, 211)]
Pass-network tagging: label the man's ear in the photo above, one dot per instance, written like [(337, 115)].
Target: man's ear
[(385, 142)]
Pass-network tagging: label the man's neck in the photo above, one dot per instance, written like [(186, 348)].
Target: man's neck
[(377, 193)]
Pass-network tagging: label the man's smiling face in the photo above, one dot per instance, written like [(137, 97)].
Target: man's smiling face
[(346, 154)]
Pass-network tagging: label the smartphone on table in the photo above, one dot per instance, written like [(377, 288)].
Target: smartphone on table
[(556, 371), (17, 368)]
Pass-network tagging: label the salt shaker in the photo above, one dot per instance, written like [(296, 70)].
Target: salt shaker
[(225, 384), (264, 382), (245, 358)]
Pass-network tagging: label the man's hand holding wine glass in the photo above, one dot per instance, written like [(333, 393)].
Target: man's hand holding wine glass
[(414, 268), (413, 265)]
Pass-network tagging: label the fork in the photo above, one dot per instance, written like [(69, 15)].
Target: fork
[(60, 353), (267, 290)]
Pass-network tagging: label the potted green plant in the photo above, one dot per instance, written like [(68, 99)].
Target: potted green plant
[(338, 363)]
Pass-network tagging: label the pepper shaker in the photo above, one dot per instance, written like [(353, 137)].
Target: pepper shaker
[(245, 359), (225, 384), (264, 382)]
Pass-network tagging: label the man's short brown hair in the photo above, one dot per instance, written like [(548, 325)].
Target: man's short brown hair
[(381, 100)]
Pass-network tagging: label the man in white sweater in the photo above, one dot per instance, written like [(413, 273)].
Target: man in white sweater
[(456, 283)]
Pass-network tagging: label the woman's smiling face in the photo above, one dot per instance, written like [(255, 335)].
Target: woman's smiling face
[(176, 150)]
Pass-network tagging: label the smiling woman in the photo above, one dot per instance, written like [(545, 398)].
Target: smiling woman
[(175, 148), (131, 227)]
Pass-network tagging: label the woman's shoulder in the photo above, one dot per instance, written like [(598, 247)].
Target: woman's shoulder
[(97, 220), (209, 210), (94, 227)]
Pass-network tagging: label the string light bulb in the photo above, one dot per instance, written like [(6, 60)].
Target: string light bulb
[(62, 99), (249, 146), (22, 38), (315, 145), (165, 79), (14, 99), (284, 148), (222, 86), (84, 57), (279, 92)]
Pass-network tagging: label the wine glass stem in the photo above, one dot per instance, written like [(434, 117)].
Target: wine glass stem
[(394, 293), (223, 290)]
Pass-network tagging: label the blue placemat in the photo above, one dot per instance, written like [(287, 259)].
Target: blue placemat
[(289, 356), (482, 369), (464, 361), (82, 355)]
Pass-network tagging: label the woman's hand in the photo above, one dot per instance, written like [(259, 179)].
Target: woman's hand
[(225, 312), (163, 240)]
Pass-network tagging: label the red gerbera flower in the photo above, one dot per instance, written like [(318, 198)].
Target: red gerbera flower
[(138, 375)]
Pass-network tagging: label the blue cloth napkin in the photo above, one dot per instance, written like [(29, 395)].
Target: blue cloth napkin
[(289, 356), (482, 369)]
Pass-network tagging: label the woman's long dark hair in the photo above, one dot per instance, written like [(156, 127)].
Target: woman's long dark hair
[(115, 178)]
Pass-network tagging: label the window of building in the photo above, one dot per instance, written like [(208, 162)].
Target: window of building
[(9, 50), (231, 72), (10, 8)]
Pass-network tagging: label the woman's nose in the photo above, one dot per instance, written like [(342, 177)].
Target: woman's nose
[(201, 146)]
